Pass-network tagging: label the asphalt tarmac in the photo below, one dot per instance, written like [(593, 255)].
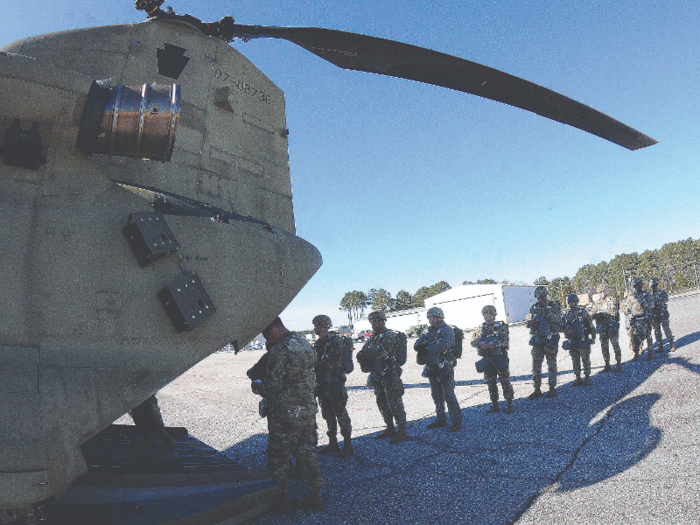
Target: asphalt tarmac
[(624, 450)]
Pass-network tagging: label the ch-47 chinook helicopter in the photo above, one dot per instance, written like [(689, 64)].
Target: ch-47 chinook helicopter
[(147, 211)]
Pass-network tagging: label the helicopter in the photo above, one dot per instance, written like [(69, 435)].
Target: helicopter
[(145, 176)]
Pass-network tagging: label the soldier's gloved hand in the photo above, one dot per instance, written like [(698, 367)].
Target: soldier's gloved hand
[(485, 345)]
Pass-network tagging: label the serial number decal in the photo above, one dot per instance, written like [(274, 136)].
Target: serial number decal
[(246, 88)]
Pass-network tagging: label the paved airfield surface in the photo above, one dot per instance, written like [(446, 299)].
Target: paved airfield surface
[(626, 449)]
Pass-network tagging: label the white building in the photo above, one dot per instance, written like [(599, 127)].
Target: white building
[(462, 306)]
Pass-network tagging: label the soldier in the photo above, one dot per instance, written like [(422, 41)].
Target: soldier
[(330, 386), (377, 358), (543, 320), (660, 313), (437, 344), (606, 314), (288, 386), (638, 308), (491, 340), (576, 323)]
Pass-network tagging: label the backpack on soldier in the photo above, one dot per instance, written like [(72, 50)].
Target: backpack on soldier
[(402, 350), (347, 365), (459, 337)]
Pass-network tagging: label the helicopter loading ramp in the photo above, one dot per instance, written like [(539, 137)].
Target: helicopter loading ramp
[(189, 483)]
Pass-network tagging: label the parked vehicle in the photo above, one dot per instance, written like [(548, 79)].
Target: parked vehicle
[(363, 334), (416, 330)]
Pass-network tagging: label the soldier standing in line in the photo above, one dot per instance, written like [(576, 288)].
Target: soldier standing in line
[(638, 308), (436, 344), (606, 314), (660, 313), (491, 340), (330, 386), (543, 320), (576, 323), (377, 358), (288, 387)]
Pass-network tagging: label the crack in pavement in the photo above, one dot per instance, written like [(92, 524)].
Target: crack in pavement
[(601, 423)]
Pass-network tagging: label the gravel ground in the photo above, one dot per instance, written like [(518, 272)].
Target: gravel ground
[(623, 450)]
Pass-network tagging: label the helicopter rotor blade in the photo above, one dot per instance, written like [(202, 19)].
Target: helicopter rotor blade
[(387, 57)]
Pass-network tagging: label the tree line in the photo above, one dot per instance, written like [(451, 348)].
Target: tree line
[(674, 265)]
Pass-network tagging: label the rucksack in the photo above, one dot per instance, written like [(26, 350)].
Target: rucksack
[(402, 351), (346, 365), (459, 337)]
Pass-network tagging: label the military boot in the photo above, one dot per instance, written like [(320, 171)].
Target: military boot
[(650, 354), (577, 381), (281, 505), (438, 423), (494, 408), (313, 501), (607, 367), (400, 436), (388, 432), (659, 347), (347, 446), (636, 356), (587, 380), (331, 447), (537, 393), (509, 408), (618, 368), (671, 344), (552, 392)]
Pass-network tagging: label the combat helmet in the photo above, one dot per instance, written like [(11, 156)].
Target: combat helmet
[(322, 320), (540, 291), (571, 298), (489, 308), (653, 283), (437, 312), (637, 281), (376, 314)]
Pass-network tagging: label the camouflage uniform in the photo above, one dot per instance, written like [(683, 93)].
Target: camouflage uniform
[(638, 309), (578, 344), (660, 314), (289, 388), (438, 341), (606, 313), (496, 358), (544, 341), (385, 375), (330, 385)]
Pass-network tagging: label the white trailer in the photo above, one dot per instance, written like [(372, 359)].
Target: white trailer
[(399, 321), (462, 304)]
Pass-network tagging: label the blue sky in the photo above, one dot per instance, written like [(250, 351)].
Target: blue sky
[(402, 185)]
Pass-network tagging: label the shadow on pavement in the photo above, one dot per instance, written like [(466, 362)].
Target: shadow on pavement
[(584, 436)]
